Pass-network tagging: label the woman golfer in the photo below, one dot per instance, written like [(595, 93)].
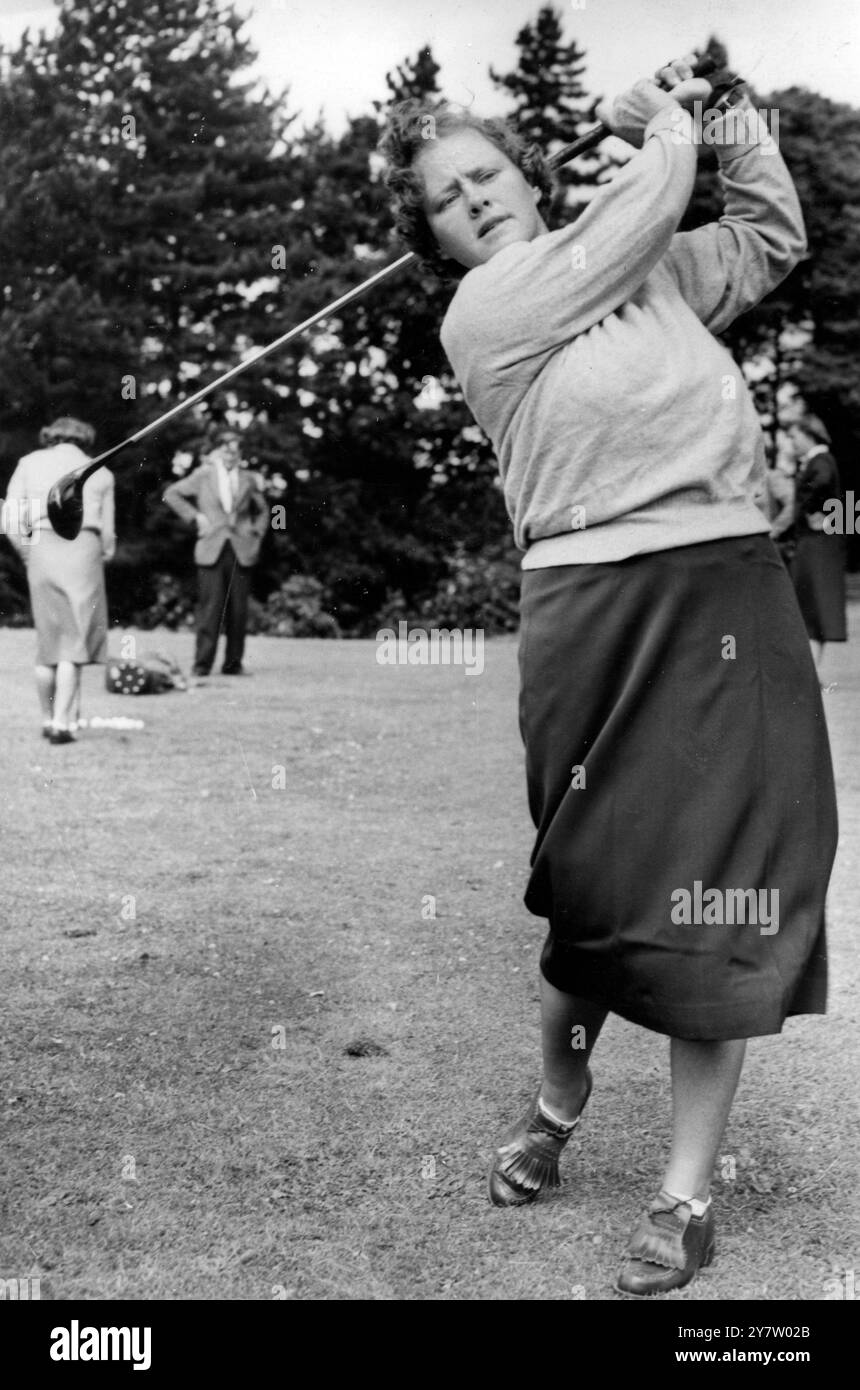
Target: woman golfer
[(678, 766)]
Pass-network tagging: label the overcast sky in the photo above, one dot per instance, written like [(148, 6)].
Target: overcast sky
[(334, 54)]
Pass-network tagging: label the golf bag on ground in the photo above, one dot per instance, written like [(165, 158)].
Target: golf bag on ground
[(152, 674)]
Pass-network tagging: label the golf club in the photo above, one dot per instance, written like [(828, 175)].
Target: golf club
[(65, 499)]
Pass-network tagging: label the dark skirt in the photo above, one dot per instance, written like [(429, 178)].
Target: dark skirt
[(817, 570), (67, 596), (680, 780)]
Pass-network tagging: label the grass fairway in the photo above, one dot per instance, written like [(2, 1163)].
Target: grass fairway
[(241, 1059)]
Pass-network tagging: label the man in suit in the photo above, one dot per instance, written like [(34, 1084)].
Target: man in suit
[(226, 504)]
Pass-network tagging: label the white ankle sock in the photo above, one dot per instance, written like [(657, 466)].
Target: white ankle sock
[(697, 1206), (551, 1115)]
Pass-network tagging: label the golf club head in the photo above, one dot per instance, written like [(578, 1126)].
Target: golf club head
[(66, 506)]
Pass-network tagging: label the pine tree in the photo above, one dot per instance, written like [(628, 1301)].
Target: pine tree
[(145, 192), (414, 78), (551, 104)]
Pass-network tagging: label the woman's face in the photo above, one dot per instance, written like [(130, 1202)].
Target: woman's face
[(476, 200)]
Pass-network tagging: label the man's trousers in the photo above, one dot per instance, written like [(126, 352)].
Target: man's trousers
[(222, 606)]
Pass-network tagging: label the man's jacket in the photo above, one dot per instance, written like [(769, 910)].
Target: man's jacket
[(244, 526)]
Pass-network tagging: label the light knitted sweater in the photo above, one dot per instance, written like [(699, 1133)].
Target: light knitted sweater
[(36, 474), (620, 424)]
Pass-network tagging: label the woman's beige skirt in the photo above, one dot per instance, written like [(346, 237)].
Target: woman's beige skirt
[(67, 595)]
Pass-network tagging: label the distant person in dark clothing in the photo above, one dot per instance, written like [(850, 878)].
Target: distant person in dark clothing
[(225, 501), (817, 567)]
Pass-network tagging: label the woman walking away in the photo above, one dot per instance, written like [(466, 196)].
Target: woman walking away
[(817, 567), (65, 578), (681, 858)]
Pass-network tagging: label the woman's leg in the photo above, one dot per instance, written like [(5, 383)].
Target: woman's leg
[(675, 1237), (527, 1160), (704, 1080), (570, 1027), (46, 684), (67, 693)]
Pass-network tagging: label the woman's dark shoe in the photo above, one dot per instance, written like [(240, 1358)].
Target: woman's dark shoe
[(667, 1249), (527, 1160), (62, 736)]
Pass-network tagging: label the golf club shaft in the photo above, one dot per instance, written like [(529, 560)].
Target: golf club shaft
[(585, 142), (249, 361)]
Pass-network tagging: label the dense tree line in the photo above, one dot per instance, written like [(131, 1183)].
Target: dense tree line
[(160, 216)]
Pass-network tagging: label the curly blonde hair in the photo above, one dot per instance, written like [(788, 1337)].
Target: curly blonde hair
[(409, 126)]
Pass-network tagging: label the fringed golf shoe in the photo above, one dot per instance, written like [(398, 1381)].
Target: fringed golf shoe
[(527, 1160), (667, 1248)]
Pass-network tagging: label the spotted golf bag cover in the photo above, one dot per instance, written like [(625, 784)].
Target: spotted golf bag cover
[(151, 675)]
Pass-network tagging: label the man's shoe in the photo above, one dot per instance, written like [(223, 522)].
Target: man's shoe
[(667, 1248), (234, 669), (527, 1160)]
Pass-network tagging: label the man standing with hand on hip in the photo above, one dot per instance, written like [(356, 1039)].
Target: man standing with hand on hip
[(226, 503)]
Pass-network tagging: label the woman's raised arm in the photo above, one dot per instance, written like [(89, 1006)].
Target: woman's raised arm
[(726, 267), (535, 296)]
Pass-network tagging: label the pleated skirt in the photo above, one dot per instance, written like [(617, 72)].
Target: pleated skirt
[(680, 781), (67, 596)]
